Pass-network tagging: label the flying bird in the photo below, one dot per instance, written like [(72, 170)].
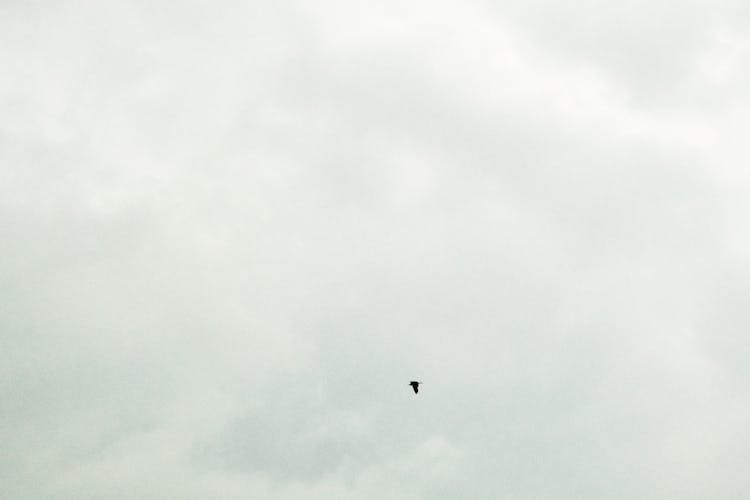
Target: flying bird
[(415, 385)]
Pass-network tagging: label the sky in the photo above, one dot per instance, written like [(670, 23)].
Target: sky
[(232, 233)]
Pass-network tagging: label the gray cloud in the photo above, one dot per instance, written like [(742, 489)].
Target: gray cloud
[(233, 234)]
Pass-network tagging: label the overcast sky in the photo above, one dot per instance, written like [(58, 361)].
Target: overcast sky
[(232, 232)]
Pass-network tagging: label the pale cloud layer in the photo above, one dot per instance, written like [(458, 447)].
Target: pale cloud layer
[(233, 232)]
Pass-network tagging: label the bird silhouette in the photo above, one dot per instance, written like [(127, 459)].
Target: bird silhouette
[(415, 385)]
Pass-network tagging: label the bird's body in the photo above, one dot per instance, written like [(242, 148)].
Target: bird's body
[(415, 385)]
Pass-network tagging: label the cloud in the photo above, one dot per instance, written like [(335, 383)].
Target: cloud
[(233, 234)]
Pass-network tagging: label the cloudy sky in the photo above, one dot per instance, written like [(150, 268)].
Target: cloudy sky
[(232, 232)]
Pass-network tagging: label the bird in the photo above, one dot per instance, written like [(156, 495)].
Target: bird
[(415, 385)]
